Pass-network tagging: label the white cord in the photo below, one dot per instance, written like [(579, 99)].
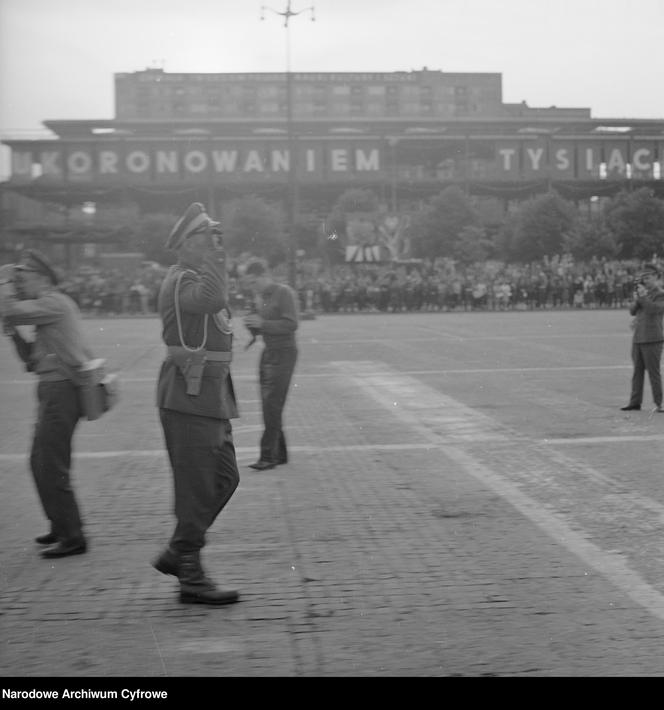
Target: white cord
[(179, 322)]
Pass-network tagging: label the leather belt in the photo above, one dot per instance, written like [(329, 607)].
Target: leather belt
[(210, 355)]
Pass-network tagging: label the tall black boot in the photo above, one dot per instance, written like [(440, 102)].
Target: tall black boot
[(196, 588), (168, 562)]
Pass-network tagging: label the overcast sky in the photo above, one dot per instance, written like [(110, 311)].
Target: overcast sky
[(58, 57)]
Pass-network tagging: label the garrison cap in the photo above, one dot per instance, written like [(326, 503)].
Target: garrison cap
[(195, 219), (34, 260)]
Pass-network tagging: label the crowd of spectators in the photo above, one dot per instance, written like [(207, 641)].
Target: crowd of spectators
[(443, 285), (440, 285), (115, 291)]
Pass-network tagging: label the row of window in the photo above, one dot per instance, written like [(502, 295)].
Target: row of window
[(193, 92), (216, 107)]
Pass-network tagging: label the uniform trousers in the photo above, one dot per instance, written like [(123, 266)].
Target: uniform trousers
[(275, 373), (646, 358), (205, 473), (59, 409)]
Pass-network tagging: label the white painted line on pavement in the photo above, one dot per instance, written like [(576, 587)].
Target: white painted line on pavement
[(610, 565), (128, 453), (441, 443), (446, 335), (518, 370), (435, 414), (387, 387), (327, 375), (124, 380), (587, 440), (239, 450)]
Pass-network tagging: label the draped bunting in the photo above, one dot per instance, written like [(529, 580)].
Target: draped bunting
[(507, 190), (63, 235)]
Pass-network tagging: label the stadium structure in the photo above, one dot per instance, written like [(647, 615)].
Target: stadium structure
[(406, 135)]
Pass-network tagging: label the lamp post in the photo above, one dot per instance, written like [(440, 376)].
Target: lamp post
[(392, 141), (292, 147)]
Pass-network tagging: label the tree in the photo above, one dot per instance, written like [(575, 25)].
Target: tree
[(149, 236), (539, 227), (253, 226), (306, 236), (590, 237), (436, 229), (472, 245), (636, 221)]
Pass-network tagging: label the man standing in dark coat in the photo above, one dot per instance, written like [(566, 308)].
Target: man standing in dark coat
[(276, 320), (196, 399), (647, 307)]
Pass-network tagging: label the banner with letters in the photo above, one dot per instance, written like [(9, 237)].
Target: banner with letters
[(616, 156), (206, 160)]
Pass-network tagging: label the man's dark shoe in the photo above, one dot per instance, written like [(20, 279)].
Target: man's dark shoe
[(631, 407), (65, 548), (167, 562), (48, 539), (209, 595), (262, 465)]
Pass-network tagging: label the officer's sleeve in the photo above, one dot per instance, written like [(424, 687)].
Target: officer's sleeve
[(208, 291)]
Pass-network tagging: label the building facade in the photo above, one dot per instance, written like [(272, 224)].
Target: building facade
[(405, 135)]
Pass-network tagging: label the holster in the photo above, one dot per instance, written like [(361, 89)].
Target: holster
[(191, 365)]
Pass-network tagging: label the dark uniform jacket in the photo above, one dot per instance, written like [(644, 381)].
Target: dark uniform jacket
[(648, 311), (201, 293), (279, 312)]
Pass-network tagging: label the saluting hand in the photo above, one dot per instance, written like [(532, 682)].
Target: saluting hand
[(253, 320)]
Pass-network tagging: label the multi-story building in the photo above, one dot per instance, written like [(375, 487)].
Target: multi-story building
[(156, 95)]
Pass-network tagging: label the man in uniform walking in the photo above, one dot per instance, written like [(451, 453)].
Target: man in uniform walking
[(196, 399), (647, 307), (276, 320)]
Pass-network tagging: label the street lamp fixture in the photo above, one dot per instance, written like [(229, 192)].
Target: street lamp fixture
[(393, 141), (287, 14)]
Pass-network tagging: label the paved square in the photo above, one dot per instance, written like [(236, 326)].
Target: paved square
[(464, 497)]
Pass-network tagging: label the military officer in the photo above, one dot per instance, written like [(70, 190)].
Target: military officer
[(196, 399)]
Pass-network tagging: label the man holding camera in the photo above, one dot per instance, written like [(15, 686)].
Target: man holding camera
[(196, 399), (276, 320), (30, 297), (647, 307)]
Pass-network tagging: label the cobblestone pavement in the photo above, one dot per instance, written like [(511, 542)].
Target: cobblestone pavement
[(464, 498)]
